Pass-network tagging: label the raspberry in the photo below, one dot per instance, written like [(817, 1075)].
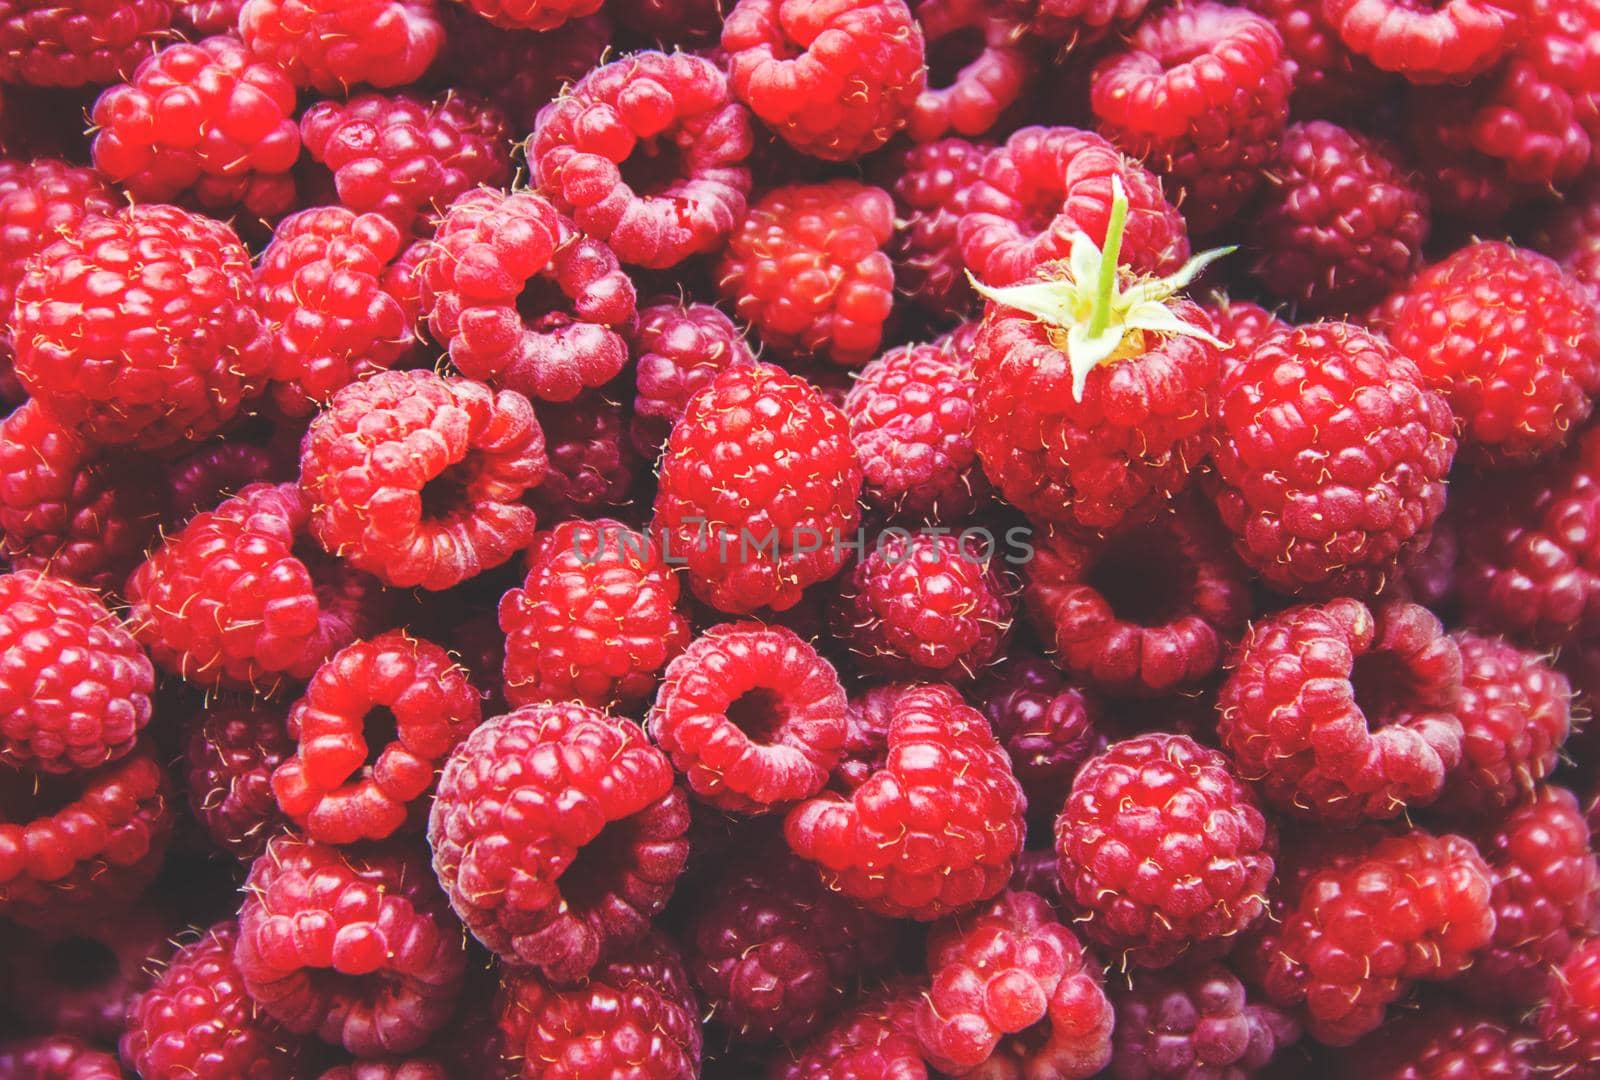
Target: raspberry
[(415, 477), (635, 1016), (1463, 185), (532, 14), (595, 621), (929, 184), (358, 949), (520, 71), (196, 19), (1046, 727), (206, 122), (558, 833), (1329, 80), (677, 349), (806, 269), (407, 157), (496, 255), (1047, 185), (1341, 224), (684, 23), (240, 597), (1510, 339), (78, 981), (230, 754), (752, 717), (757, 485), (872, 1040), (1201, 94), (213, 471), (56, 1057), (593, 468), (773, 952), (197, 1021), (1194, 1022), (46, 43), (1571, 236), (1002, 969), (935, 829), (1569, 1020), (1241, 326), (1432, 42), (978, 67), (1332, 458), (141, 328), (1441, 1041), (332, 45), (408, 1069), (835, 81), (647, 153)]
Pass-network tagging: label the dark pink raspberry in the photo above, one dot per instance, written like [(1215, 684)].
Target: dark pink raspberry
[(520, 71), (533, 14), (86, 42), (1329, 79), (1442, 1041), (1047, 727), (214, 471), (1072, 23), (411, 1068), (593, 466), (873, 1039), (979, 65), (229, 758), (1568, 1021), (56, 1057), (678, 347), (333, 45), (929, 184), (1194, 1023)]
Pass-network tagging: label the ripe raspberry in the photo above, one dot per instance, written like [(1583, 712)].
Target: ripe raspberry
[(78, 980), (936, 829), (1569, 1020), (647, 153), (407, 157), (1195, 1022), (1334, 519), (595, 621), (978, 67), (1201, 94), (929, 184), (414, 477), (678, 348), (1426, 42), (213, 471), (333, 45), (1441, 1041), (837, 80), (358, 949), (1571, 236), (141, 328), (411, 1068), (806, 269), (230, 755), (871, 1040), (197, 1021), (86, 42), (1046, 727), (758, 461), (1047, 185), (752, 717), (635, 1016), (1329, 80), (1342, 223), (593, 468), (532, 14), (558, 833), (520, 71), (774, 953), (1004, 968), (196, 19), (495, 255), (1465, 187), (56, 1057)]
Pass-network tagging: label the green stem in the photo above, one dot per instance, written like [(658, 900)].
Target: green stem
[(1110, 256)]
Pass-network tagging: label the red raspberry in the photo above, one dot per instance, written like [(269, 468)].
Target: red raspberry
[(532, 14), (229, 759), (647, 153), (407, 157), (496, 253), (936, 829), (758, 489), (414, 477), (593, 468), (1163, 850), (196, 19), (1201, 94), (678, 348), (47, 43), (196, 1021), (929, 184), (520, 71), (1464, 186), (332, 45), (978, 67), (240, 597), (806, 269), (56, 1057), (1241, 326), (360, 950), (558, 833), (1046, 727), (752, 717), (206, 122), (141, 328), (1436, 41), (1441, 1041), (203, 478), (1342, 222), (1005, 968), (413, 1068), (1329, 80), (872, 1040), (1047, 185), (834, 80), (1191, 1023), (595, 621), (1569, 1019), (774, 953), (1334, 520), (635, 1016)]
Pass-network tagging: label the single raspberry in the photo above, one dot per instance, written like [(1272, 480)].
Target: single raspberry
[(408, 157), (141, 328), (595, 621), (229, 758), (752, 717), (1200, 94), (520, 71), (834, 80), (635, 1016), (1194, 1022), (1047, 727), (1048, 185), (1430, 41), (929, 184), (1333, 517), (1569, 1019), (496, 256), (978, 67), (936, 829), (1329, 79), (758, 484), (411, 1068), (214, 471), (196, 19), (333, 45), (197, 1020), (678, 347), (1428, 570), (1571, 236), (873, 1039), (593, 467), (1241, 326), (46, 43), (1466, 188), (806, 269), (358, 949), (558, 833), (56, 1057), (532, 14), (1341, 224), (1441, 1041), (647, 153)]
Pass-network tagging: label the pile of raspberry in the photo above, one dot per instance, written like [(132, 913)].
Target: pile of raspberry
[(799, 540)]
